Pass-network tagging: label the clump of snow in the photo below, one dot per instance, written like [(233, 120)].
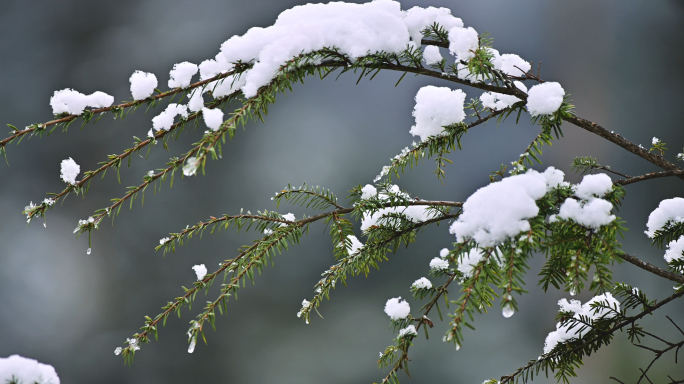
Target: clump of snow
[(591, 211), (470, 261), (142, 84), (594, 186), (196, 102), (593, 214), (289, 217), (500, 210), (444, 252), (26, 371), (554, 178), (181, 74), (463, 42), (417, 19), (397, 309), (213, 118), (415, 213), (164, 240), (563, 333), (431, 55), (439, 264), (164, 120), (355, 244), (69, 171), (368, 192), (668, 210), (435, 108), (74, 103), (356, 29), (512, 64), (200, 271), (408, 331), (674, 250), (655, 140), (212, 67), (545, 99), (499, 101), (423, 282)]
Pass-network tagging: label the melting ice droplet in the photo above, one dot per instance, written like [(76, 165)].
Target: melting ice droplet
[(191, 347), (89, 251), (507, 311)]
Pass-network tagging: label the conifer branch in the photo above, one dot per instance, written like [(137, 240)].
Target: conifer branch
[(649, 176), (652, 268)]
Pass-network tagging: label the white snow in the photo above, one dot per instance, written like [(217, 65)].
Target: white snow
[(368, 192), (435, 108), (200, 271), (564, 333), (511, 64), (27, 371), (408, 331), (668, 210), (69, 171), (431, 55), (655, 140), (417, 19), (593, 213), (196, 101), (74, 103), (545, 99), (439, 264), (444, 252), (164, 120), (499, 101), (554, 178), (213, 118), (423, 282), (397, 309), (470, 261), (355, 244), (674, 250), (181, 74), (463, 43), (415, 213), (289, 217), (142, 84), (163, 241), (500, 210), (212, 67), (594, 185)]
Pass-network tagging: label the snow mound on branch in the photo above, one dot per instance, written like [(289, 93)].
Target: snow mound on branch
[(435, 108), (563, 333), (431, 55), (417, 19), (545, 99), (74, 102), (397, 309), (213, 118), (181, 74), (591, 211), (470, 261), (69, 171), (142, 84), (26, 371), (499, 101), (501, 210), (668, 210), (164, 120), (674, 250), (463, 43)]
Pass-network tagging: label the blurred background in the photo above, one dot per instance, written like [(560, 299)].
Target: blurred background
[(621, 61)]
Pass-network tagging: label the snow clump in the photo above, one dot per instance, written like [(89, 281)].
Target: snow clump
[(417, 19), (463, 43), (69, 171), (397, 309), (408, 331), (444, 252), (354, 244), (368, 192), (545, 99), (142, 84), (26, 370), (200, 271), (213, 118), (470, 261), (669, 210), (591, 211), (164, 120), (499, 101), (563, 333), (674, 250), (74, 102), (431, 55), (422, 283), (415, 213), (439, 264), (181, 74), (435, 108)]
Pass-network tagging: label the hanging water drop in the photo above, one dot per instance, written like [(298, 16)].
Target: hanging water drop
[(191, 347), (458, 346), (89, 251), (507, 311), (44, 225), (573, 291)]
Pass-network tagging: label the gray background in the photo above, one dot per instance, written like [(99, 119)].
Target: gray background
[(621, 61)]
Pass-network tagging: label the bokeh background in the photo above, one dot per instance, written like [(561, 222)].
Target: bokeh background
[(621, 61)]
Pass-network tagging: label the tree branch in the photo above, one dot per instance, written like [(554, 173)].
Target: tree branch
[(649, 176), (652, 268)]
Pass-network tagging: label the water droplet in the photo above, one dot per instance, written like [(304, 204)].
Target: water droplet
[(191, 347), (573, 292), (89, 251), (507, 311), (44, 225), (458, 346)]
